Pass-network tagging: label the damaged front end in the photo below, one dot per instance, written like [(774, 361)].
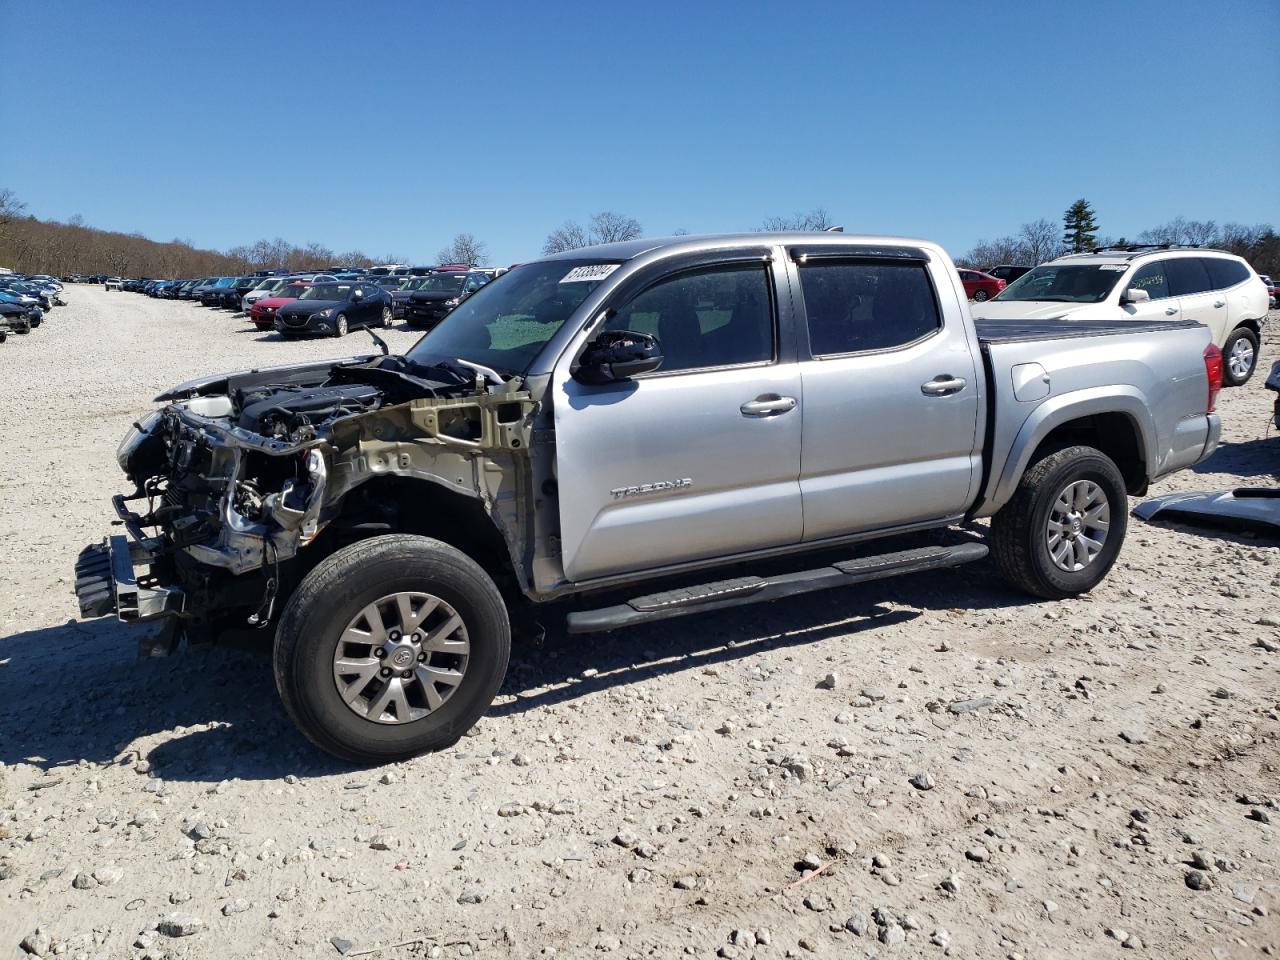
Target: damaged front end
[(239, 473)]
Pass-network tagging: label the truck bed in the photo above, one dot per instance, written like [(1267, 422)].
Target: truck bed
[(1019, 331)]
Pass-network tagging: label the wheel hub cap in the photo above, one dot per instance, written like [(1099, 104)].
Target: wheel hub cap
[(1077, 526), (401, 657), (1241, 359)]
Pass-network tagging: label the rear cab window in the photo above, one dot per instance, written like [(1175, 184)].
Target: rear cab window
[(854, 306)]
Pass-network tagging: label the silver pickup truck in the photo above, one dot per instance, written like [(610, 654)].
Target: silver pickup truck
[(628, 433)]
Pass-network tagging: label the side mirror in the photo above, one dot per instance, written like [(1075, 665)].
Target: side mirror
[(616, 355), (1135, 295)]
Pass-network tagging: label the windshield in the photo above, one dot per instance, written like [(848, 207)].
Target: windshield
[(326, 291), (506, 323), (442, 283), (1065, 283), (293, 290), (268, 284), (225, 281)]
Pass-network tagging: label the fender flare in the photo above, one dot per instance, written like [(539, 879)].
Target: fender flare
[(1057, 411)]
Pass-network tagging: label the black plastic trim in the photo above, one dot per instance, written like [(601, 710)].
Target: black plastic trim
[(858, 252)]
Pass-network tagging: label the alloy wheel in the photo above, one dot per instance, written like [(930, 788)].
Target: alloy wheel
[(401, 657), (1240, 360), (1077, 526)]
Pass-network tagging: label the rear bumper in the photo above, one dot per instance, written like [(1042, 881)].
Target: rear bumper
[(1212, 439), (108, 582)]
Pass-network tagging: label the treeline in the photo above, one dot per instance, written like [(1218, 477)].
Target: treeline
[(30, 245), (1041, 240)]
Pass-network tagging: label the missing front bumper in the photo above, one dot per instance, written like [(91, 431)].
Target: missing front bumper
[(107, 582)]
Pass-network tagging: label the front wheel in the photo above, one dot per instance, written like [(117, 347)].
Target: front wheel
[(391, 647), (1062, 530), (340, 326), (386, 317), (1239, 357)]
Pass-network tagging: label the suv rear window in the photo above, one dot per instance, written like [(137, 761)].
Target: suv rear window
[(1225, 273), (855, 306), (1187, 275)]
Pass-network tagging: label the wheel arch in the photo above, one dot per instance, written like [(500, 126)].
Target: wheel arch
[(403, 503), (1117, 423)]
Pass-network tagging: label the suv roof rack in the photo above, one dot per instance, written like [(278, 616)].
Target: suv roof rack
[(1137, 249)]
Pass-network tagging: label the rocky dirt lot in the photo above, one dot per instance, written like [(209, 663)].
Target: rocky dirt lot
[(926, 767)]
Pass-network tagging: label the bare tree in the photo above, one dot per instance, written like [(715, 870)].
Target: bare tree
[(988, 253), (10, 207), (568, 236), (1040, 241), (816, 220), (610, 227), (465, 248), (605, 227)]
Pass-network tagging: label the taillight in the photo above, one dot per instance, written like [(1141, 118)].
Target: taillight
[(1213, 370)]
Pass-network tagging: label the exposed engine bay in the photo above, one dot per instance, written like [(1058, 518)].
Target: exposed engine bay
[(239, 472)]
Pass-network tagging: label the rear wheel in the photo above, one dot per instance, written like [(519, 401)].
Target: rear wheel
[(1062, 530), (340, 325), (980, 296), (391, 647), (1239, 357)]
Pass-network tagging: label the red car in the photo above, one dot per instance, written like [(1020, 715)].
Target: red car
[(980, 286), (263, 313)]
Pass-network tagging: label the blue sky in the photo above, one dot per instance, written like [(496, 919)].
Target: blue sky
[(389, 127)]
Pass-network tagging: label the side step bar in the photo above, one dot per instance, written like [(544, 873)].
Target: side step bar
[(744, 590)]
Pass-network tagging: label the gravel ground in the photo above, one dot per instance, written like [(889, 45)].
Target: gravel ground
[(918, 767)]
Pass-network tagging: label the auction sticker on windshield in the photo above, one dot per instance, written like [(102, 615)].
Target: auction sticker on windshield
[(589, 273), (1113, 266)]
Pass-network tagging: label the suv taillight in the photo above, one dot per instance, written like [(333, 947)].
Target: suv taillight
[(1213, 370)]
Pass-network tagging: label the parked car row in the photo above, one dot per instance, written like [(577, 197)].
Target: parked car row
[(25, 300), (328, 303)]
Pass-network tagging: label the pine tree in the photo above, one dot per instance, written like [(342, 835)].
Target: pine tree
[(1080, 227)]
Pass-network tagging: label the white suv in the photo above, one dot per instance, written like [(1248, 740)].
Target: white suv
[(1212, 287)]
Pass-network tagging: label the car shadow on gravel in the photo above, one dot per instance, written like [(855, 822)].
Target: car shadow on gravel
[(77, 691), (1252, 458), (568, 667), (93, 698)]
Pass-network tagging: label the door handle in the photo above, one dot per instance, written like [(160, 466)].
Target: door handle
[(1219, 303), (767, 404), (1170, 311), (942, 385)]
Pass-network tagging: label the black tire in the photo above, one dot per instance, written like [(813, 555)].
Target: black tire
[(340, 325), (1239, 335), (1020, 530), (386, 318), (980, 296), (334, 593)]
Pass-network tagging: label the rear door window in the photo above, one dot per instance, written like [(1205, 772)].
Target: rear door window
[(1187, 276), (854, 306), (1224, 272), (1153, 278)]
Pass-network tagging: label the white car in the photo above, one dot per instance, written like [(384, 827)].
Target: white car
[(267, 287), (1211, 287)]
